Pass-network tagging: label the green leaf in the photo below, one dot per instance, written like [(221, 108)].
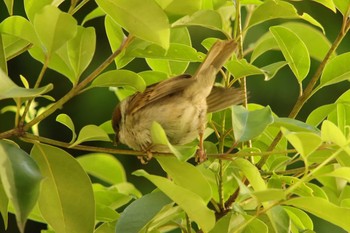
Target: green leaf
[(19, 27), (180, 7), (251, 172), (299, 218), (32, 7), (65, 191), (249, 124), (91, 133), (241, 68), (271, 70), (343, 7), (95, 13), (331, 133), (319, 114), (272, 10), (265, 43), (170, 66), (189, 178), (54, 28), (115, 36), (159, 137), (106, 227), (8, 89), (336, 70), (304, 142), (3, 60), (256, 225), (294, 50), (139, 213), (294, 125), (81, 49), (327, 3), (144, 19), (342, 172), (20, 178), (323, 209), (190, 202), (67, 121), (103, 166), (4, 201), (279, 219), (205, 18), (117, 78), (9, 5), (270, 194)]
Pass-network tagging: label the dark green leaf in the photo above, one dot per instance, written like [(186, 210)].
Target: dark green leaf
[(139, 213), (20, 177)]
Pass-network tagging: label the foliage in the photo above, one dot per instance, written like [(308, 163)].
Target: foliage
[(265, 173)]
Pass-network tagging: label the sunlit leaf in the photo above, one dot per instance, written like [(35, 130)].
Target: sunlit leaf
[(91, 133), (20, 178), (271, 70), (146, 21), (65, 191), (54, 28), (8, 89), (189, 201), (32, 7), (294, 125), (204, 18), (342, 6), (336, 70), (19, 27), (323, 209), (304, 142), (294, 50), (4, 201), (67, 121), (120, 78), (331, 133), (249, 124), (189, 177), (180, 7), (299, 218), (319, 114), (141, 212), (327, 3), (279, 218), (241, 68), (251, 172), (103, 166)]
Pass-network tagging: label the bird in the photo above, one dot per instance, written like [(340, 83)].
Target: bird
[(179, 104)]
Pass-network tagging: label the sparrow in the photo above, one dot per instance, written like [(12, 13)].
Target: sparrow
[(179, 104)]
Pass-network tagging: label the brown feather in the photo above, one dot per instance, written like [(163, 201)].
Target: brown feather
[(221, 98)]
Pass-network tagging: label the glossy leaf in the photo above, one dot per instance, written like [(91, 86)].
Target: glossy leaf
[(319, 114), (299, 218), (81, 49), (103, 166), (249, 124), (8, 89), (32, 7), (272, 10), (328, 3), (205, 18), (91, 133), (146, 21), (323, 209), (294, 50), (336, 70), (66, 191), (279, 219), (251, 172), (331, 133), (190, 202), (189, 178), (19, 27), (139, 213), (241, 68), (54, 28), (67, 121), (180, 7), (117, 78), (20, 178), (342, 6), (304, 142)]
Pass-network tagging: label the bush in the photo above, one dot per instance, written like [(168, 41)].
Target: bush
[(264, 173)]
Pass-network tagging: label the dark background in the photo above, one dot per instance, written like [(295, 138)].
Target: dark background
[(96, 105)]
